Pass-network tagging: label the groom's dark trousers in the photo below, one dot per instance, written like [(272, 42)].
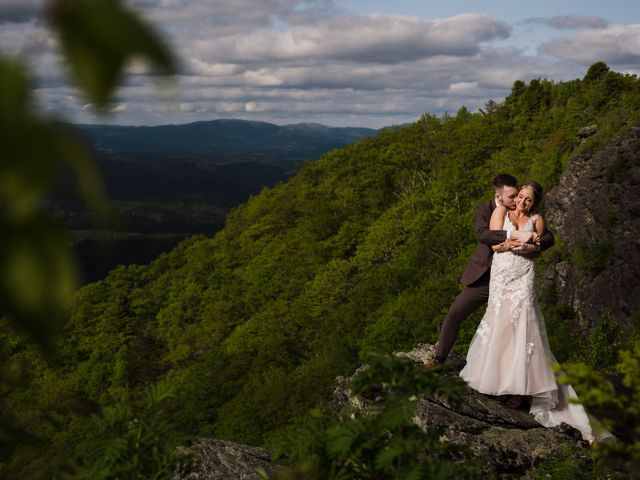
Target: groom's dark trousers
[(476, 278)]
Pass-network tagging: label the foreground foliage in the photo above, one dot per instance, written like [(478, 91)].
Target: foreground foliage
[(382, 441), (133, 442), (617, 407)]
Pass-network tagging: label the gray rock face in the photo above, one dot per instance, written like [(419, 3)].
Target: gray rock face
[(508, 440), (595, 211), (222, 460)]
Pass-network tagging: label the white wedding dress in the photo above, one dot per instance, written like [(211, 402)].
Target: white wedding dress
[(509, 353)]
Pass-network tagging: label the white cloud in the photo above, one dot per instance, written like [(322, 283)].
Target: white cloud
[(24, 39), (615, 45), (213, 69), (372, 38), (120, 107), (463, 88), (253, 107), (308, 60)]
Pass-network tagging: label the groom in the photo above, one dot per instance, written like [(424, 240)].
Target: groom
[(476, 276)]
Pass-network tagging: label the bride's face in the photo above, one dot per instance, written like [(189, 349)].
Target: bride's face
[(524, 200)]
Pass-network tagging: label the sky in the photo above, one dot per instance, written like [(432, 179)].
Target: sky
[(366, 63)]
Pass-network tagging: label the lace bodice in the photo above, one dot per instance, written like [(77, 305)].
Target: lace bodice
[(530, 226), (512, 275)]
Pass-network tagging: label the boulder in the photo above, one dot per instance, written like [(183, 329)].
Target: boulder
[(223, 460), (508, 440), (595, 212)]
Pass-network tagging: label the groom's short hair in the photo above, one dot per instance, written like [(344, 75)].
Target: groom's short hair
[(504, 180)]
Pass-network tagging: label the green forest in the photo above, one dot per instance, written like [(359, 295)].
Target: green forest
[(169, 182), (157, 202), (358, 252)]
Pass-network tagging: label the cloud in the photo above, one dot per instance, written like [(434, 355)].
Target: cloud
[(570, 22), (375, 92), (463, 88), (330, 93), (490, 68), (222, 17), (615, 45), (371, 38), (20, 11), (287, 61), (120, 107), (253, 107), (28, 38)]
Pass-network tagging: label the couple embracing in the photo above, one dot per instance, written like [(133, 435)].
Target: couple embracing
[(509, 355)]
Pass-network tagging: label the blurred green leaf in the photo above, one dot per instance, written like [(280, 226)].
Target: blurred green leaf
[(22, 178), (38, 274), (14, 93), (28, 169), (100, 38), (37, 279)]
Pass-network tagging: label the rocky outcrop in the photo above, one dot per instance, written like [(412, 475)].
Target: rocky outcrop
[(222, 460), (595, 212), (507, 440)]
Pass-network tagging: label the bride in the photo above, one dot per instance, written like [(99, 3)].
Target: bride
[(509, 353)]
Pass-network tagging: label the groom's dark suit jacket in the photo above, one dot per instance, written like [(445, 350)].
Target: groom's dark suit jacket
[(481, 261)]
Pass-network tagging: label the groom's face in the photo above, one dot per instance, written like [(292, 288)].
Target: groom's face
[(507, 196)]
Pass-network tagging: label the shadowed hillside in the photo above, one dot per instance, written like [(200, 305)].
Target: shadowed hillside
[(172, 181)]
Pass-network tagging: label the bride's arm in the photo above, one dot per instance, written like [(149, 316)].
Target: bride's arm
[(497, 223), (497, 218), (481, 227)]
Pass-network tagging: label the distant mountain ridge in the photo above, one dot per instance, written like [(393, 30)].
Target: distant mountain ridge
[(226, 140)]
